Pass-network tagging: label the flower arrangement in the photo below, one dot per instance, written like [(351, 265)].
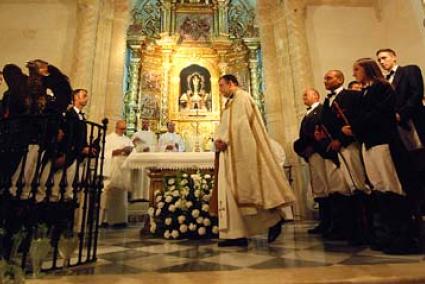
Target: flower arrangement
[(182, 209)]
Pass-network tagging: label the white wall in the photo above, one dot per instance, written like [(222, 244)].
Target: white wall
[(33, 29), (338, 35)]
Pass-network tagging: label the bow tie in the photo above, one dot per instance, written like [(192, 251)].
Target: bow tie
[(331, 94), (389, 75), (83, 115), (309, 108)]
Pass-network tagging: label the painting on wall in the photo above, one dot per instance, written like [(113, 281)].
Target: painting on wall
[(195, 89), (194, 27)]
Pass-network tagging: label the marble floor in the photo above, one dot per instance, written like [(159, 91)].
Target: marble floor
[(124, 254)]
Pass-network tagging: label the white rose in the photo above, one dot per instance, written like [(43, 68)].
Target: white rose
[(184, 192), (207, 176), (192, 227), (167, 234), (206, 197), (168, 221), (158, 198), (176, 193), (153, 227), (203, 181), (200, 220), (178, 204), (157, 192), (175, 234), (202, 231), (160, 205), (207, 222), (197, 193), (184, 175), (183, 228), (205, 207), (171, 181), (151, 211), (189, 204), (181, 219), (204, 187), (171, 188), (172, 208), (183, 182), (195, 213), (168, 199), (158, 212), (215, 229)]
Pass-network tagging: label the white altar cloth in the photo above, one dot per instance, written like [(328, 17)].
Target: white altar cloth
[(170, 160), (139, 163)]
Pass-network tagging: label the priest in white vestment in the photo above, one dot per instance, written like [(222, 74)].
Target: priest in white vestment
[(252, 191), (171, 141), (117, 182), (145, 140)]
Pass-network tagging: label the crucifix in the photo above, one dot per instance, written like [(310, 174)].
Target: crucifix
[(197, 138)]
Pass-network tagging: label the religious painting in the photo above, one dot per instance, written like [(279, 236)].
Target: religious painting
[(195, 89), (150, 90), (194, 27)]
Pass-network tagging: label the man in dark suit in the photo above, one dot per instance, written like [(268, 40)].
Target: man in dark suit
[(340, 107), (324, 174), (408, 84)]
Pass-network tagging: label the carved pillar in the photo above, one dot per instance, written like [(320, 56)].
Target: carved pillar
[(223, 29), (253, 45), (85, 44), (166, 21), (131, 96), (215, 21)]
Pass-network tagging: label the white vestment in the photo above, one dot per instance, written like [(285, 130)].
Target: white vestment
[(117, 181), (252, 191), (172, 139), (147, 140)]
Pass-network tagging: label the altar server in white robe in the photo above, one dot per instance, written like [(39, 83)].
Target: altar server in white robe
[(144, 139), (252, 191), (117, 182), (171, 141)]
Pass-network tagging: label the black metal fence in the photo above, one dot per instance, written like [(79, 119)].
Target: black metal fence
[(50, 186)]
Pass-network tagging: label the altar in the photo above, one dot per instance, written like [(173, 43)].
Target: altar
[(148, 169)]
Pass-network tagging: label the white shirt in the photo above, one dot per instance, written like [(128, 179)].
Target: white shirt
[(114, 142), (312, 107), (78, 111), (171, 139), (336, 91), (391, 79), (147, 139)]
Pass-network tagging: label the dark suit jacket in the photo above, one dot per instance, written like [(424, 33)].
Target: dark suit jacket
[(75, 135), (409, 86), (375, 122), (348, 101), (61, 88), (308, 126)]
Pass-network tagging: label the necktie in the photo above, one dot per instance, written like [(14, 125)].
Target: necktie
[(389, 75)]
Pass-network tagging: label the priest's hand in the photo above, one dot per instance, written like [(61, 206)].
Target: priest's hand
[(220, 145), (335, 145)]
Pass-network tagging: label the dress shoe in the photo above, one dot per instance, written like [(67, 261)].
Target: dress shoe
[(241, 242), (275, 231), (316, 230)]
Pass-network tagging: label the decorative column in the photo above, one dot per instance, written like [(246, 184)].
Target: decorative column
[(253, 45), (166, 16), (223, 29), (85, 44), (166, 65), (130, 100)]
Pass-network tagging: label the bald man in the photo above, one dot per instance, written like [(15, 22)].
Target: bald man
[(339, 108), (117, 182)]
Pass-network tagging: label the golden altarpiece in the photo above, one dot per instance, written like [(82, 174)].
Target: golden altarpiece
[(178, 49)]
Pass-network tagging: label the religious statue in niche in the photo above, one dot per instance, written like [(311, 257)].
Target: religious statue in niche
[(194, 28), (148, 107), (195, 86)]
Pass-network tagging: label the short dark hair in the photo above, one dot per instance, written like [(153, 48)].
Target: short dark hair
[(230, 78), (389, 50), (350, 85), (77, 91)]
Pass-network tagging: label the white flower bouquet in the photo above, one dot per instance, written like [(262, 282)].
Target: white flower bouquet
[(181, 210)]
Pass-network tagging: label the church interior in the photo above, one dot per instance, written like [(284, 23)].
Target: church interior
[(157, 64)]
